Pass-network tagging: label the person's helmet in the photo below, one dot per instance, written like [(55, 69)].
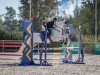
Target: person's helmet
[(54, 19)]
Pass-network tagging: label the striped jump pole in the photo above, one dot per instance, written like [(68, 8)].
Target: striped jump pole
[(49, 58), (80, 50), (57, 62), (27, 57), (57, 48)]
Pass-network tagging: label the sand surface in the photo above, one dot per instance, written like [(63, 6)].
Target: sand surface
[(8, 66)]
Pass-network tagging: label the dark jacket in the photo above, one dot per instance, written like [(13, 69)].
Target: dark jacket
[(50, 24)]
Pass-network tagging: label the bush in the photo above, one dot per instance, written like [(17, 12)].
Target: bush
[(74, 38), (10, 36), (98, 38), (89, 47), (88, 38)]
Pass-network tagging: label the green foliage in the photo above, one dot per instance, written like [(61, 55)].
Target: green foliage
[(10, 36), (88, 38), (41, 10), (98, 15), (84, 16), (89, 47), (10, 21), (0, 22), (11, 13), (74, 38), (98, 39)]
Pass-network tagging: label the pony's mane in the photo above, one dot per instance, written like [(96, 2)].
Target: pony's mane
[(60, 24)]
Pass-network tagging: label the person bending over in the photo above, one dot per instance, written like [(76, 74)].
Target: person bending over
[(43, 31), (50, 25)]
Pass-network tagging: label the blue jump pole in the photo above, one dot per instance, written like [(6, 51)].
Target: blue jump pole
[(57, 48), (80, 51), (27, 58), (45, 62), (68, 56)]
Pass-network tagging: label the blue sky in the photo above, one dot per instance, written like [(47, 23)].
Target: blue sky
[(12, 3)]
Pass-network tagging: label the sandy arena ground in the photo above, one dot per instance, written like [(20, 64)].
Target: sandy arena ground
[(8, 66)]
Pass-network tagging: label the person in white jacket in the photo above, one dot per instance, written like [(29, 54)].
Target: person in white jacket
[(43, 31)]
